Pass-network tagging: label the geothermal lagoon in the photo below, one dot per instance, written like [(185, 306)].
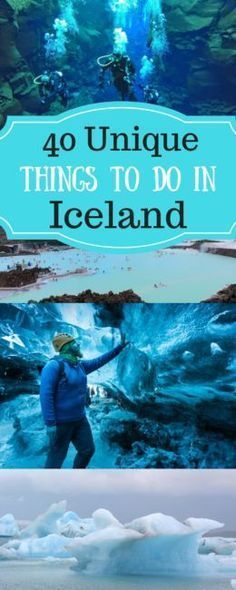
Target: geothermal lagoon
[(156, 276)]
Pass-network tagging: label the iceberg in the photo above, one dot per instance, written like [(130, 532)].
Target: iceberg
[(217, 545), (203, 525), (104, 518), (104, 551), (50, 546), (70, 525), (8, 526), (46, 523), (153, 544), (158, 524)]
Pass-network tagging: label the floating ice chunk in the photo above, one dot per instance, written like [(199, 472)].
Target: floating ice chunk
[(7, 554), (45, 523), (70, 525), (158, 524), (152, 544), (68, 517), (103, 518), (217, 545), (233, 584), (115, 549), (49, 546), (72, 529), (77, 529), (203, 525), (97, 552), (8, 526), (9, 550)]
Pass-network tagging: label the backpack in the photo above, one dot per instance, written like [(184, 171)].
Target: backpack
[(61, 364), (62, 374)]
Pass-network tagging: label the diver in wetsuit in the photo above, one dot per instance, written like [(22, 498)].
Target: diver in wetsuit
[(150, 94), (123, 72), (52, 85)]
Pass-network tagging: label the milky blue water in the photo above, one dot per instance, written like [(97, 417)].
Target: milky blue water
[(156, 276)]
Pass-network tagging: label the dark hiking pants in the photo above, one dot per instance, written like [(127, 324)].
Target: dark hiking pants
[(80, 435)]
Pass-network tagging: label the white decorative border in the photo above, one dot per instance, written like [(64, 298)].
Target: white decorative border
[(115, 108), (104, 246)]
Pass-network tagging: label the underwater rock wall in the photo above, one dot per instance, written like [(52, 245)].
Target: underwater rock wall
[(83, 45), (17, 89), (22, 53), (202, 45)]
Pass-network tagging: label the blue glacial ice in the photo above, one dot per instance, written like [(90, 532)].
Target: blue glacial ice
[(154, 544), (167, 401)]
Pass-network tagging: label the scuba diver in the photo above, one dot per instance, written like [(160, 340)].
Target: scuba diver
[(64, 396), (52, 85), (122, 71), (150, 94)]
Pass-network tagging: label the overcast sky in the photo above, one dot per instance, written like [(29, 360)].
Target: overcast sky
[(127, 493)]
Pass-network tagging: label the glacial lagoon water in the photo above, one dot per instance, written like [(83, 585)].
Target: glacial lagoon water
[(156, 276), (57, 575)]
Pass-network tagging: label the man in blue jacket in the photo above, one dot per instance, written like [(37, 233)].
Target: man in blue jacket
[(63, 396)]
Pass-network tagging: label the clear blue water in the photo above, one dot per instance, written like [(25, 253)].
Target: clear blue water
[(183, 59)]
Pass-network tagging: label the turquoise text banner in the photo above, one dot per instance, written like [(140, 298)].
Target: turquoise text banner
[(118, 177)]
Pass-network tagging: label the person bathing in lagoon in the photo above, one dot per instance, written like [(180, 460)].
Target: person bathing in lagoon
[(64, 396)]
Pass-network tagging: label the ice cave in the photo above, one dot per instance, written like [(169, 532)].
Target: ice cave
[(167, 401)]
